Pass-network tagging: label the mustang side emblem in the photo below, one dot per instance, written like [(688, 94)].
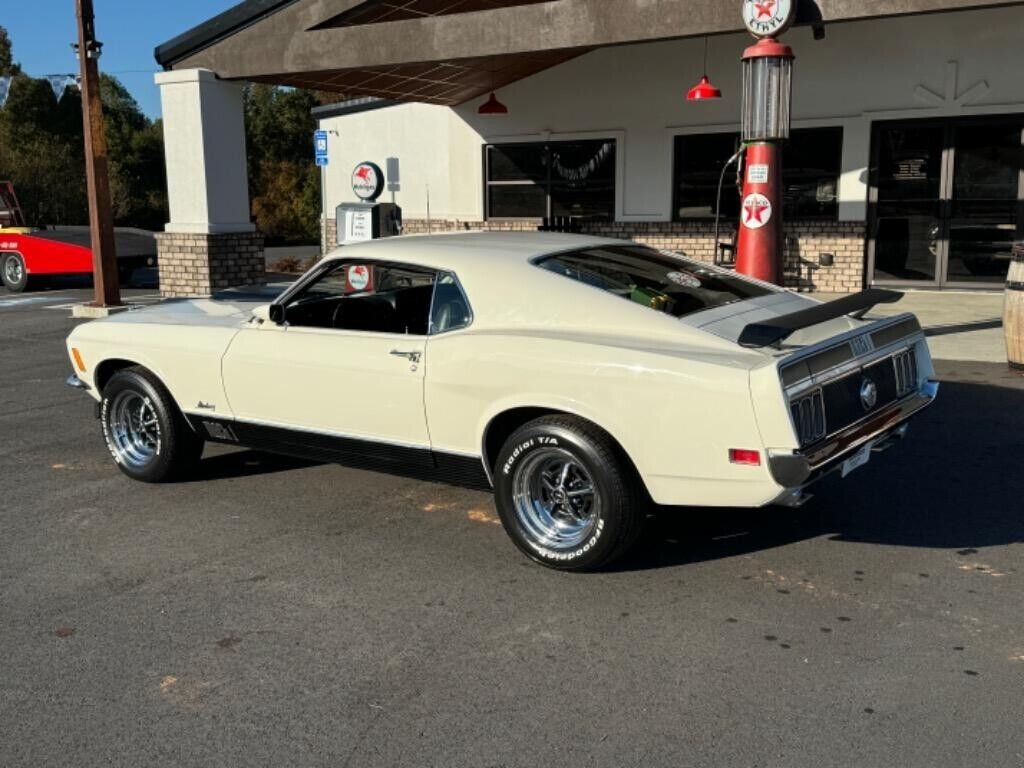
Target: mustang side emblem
[(868, 393)]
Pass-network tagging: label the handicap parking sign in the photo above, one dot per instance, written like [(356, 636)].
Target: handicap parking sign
[(320, 147)]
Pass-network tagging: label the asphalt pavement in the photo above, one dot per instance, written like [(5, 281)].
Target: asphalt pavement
[(279, 613)]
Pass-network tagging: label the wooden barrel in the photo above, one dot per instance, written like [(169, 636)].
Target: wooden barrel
[(1013, 309)]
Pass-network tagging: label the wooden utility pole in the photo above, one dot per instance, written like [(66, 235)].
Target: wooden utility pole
[(97, 164)]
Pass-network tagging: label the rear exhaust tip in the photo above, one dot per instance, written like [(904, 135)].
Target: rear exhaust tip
[(794, 499)]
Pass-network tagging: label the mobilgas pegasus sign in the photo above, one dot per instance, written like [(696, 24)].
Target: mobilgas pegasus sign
[(367, 181)]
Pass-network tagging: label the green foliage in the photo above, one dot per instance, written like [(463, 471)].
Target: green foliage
[(283, 181), (36, 153), (289, 201), (7, 63), (42, 152)]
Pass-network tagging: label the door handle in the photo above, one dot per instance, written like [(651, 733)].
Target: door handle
[(412, 357)]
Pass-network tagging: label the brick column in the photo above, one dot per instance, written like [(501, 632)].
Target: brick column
[(200, 265), (210, 242)]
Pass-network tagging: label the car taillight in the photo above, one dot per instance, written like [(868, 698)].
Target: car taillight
[(809, 417), (745, 456)]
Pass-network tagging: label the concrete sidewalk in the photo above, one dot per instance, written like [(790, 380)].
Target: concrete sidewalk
[(961, 326)]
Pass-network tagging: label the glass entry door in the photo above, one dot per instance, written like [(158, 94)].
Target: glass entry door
[(946, 200)]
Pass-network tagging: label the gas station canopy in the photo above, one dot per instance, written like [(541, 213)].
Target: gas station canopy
[(451, 51)]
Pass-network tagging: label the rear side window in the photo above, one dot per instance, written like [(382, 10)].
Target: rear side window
[(676, 287), (450, 310)]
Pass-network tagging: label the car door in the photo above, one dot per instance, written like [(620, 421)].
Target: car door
[(340, 369)]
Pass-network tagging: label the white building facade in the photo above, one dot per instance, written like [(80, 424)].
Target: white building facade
[(905, 165)]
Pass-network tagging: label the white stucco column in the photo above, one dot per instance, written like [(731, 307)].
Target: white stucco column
[(204, 141), (210, 242)]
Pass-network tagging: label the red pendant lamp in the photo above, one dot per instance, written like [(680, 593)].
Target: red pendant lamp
[(704, 90), (492, 107)]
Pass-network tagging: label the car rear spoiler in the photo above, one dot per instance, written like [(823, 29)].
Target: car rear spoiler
[(780, 328)]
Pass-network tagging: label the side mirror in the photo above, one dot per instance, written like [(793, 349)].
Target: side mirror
[(272, 312)]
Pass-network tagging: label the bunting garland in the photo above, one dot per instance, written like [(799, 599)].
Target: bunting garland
[(59, 84), (584, 171)]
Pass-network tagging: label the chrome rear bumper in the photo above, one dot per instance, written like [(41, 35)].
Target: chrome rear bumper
[(801, 468)]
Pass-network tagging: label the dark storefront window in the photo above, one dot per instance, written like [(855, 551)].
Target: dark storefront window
[(947, 200), (811, 162), (555, 178)]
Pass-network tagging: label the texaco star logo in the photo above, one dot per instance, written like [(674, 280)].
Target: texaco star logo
[(757, 211), (767, 18)]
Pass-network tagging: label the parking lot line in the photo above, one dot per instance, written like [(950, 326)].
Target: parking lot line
[(21, 301)]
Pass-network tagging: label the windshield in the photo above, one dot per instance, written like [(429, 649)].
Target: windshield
[(675, 286)]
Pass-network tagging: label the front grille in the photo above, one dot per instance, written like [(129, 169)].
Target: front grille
[(809, 417), (905, 364)]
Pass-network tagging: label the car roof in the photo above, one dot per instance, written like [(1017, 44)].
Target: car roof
[(507, 293), (469, 251)]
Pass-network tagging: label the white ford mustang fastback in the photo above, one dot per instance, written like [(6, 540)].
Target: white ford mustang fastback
[(580, 377)]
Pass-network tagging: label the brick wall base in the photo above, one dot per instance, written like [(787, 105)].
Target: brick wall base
[(199, 265), (805, 242), (328, 235)]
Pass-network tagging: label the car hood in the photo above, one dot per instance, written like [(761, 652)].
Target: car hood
[(728, 321), (204, 312)]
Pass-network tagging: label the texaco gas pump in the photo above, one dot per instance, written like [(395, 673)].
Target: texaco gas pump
[(767, 91)]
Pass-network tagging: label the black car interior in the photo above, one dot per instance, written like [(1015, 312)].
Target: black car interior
[(402, 310), (396, 299)]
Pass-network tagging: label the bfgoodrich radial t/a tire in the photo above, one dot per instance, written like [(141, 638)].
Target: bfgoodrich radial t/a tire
[(567, 495), (144, 430)]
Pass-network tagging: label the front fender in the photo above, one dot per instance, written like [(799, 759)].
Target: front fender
[(187, 360)]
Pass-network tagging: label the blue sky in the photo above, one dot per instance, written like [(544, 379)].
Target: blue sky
[(42, 32)]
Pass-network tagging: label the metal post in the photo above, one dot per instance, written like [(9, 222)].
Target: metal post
[(97, 165)]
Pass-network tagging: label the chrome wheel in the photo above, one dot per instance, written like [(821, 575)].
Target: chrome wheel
[(134, 429), (555, 499), (13, 270)]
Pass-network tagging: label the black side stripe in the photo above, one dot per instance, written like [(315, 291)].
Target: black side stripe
[(405, 461)]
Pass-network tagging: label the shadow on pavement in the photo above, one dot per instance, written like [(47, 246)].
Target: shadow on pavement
[(244, 463), (954, 483), (949, 330)]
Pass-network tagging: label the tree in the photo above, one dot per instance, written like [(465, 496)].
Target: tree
[(289, 201), (42, 152), (7, 63), (283, 182)]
